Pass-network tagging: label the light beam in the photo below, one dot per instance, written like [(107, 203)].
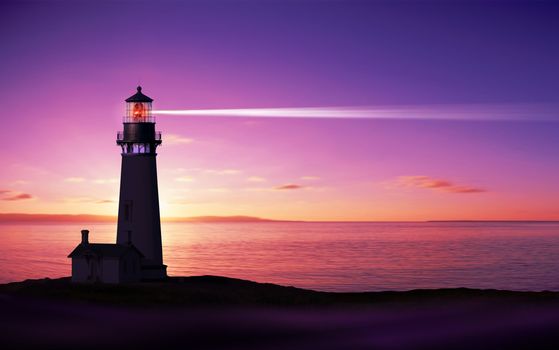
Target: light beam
[(443, 112)]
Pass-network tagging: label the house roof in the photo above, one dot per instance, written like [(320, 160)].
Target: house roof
[(139, 97), (104, 249)]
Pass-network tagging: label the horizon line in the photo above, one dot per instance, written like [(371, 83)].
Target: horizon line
[(44, 217)]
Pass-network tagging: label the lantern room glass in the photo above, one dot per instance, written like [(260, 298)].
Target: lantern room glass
[(138, 112)]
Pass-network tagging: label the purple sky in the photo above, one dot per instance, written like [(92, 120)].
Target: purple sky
[(67, 66)]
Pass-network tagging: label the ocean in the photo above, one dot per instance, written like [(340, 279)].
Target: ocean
[(342, 257)]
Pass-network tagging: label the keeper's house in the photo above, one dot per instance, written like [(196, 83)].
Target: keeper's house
[(106, 263)]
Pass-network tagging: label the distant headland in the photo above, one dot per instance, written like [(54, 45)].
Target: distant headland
[(81, 218), (69, 218)]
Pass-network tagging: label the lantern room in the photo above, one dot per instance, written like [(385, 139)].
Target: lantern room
[(139, 135), (138, 108)]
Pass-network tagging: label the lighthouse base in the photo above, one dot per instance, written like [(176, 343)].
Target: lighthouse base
[(154, 272)]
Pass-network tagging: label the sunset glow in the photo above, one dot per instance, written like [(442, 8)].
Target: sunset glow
[(310, 174), (261, 115)]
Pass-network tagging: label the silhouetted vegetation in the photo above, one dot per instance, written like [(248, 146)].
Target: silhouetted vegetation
[(215, 290)]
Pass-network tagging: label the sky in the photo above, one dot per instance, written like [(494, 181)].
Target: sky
[(68, 66)]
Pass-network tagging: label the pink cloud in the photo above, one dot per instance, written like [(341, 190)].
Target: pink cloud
[(465, 189), (174, 139), (289, 187), (18, 197), (427, 182), (102, 201)]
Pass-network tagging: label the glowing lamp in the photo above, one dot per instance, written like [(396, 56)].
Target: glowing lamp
[(138, 108), (138, 111)]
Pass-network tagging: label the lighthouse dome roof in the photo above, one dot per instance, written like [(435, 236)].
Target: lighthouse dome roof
[(139, 97)]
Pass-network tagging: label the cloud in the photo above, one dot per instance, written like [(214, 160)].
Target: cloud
[(289, 187), (74, 179), (465, 189), (18, 197), (420, 181), (258, 189), (103, 201), (310, 178), (256, 179), (211, 171), (218, 190), (85, 199), (20, 182), (184, 179), (78, 199), (105, 181), (174, 139), (10, 195), (223, 172)]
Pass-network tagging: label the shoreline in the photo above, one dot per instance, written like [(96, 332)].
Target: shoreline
[(219, 290), (212, 312)]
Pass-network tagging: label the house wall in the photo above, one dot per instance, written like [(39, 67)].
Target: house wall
[(130, 268), (91, 268), (110, 270), (80, 269)]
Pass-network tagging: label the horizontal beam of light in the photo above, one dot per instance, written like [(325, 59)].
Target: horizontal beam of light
[(445, 112)]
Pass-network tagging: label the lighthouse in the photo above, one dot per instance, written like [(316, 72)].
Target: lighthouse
[(138, 210), (137, 254)]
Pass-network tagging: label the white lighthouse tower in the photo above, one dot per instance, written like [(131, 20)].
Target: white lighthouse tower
[(138, 210)]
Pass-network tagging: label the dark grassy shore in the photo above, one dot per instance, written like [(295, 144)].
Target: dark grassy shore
[(225, 313)]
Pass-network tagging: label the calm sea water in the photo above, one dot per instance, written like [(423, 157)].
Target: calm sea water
[(321, 256)]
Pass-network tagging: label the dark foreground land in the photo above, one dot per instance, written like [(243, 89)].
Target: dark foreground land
[(223, 313)]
